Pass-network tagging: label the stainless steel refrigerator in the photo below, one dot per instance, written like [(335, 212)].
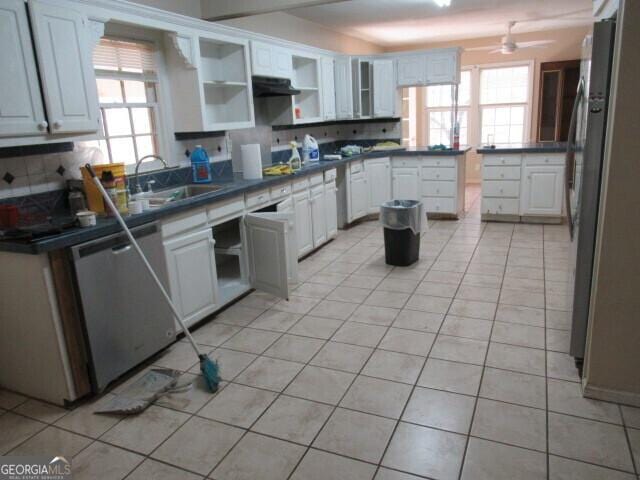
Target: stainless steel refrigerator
[(585, 152)]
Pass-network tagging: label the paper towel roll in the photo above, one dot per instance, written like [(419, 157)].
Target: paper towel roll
[(251, 161)]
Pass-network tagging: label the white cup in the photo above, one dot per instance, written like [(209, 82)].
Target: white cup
[(136, 207), (86, 218)]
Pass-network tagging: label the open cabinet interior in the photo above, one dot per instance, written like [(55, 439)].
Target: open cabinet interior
[(233, 279)]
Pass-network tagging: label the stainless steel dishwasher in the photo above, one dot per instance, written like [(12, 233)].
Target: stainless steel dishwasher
[(125, 318)]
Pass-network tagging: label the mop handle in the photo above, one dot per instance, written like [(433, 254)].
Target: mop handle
[(142, 256)]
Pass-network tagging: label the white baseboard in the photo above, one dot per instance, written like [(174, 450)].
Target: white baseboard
[(598, 393)]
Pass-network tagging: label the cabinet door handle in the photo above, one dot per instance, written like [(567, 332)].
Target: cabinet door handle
[(212, 242), (57, 124), (502, 190), (502, 175), (43, 125)]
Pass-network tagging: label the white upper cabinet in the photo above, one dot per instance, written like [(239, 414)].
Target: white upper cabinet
[(269, 60), (384, 88), (268, 252), (210, 83), (327, 88), (21, 111), (343, 80), (64, 49), (442, 67), (412, 70), (436, 67)]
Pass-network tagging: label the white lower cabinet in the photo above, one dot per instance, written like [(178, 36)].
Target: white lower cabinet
[(542, 189), (304, 227), (193, 281), (522, 185), (378, 175), (406, 183), (318, 216), (358, 198), (331, 208), (268, 243)]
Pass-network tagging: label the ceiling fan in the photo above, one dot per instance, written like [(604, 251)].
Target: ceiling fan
[(508, 46)]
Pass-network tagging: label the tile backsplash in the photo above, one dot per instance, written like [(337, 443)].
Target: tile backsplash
[(25, 175)]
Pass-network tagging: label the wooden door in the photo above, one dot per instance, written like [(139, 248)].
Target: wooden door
[(304, 228), (542, 189), (378, 173), (405, 183)]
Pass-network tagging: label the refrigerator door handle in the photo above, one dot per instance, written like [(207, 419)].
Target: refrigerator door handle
[(570, 155)]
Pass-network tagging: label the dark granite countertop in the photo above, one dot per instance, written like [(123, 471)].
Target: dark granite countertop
[(238, 186), (531, 147)]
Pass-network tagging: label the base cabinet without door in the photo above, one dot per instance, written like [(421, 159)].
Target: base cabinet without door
[(193, 281)]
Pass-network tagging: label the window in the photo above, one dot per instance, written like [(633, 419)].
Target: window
[(438, 103), (127, 93), (504, 93), (409, 116)]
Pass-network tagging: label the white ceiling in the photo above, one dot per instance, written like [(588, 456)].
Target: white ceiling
[(402, 22)]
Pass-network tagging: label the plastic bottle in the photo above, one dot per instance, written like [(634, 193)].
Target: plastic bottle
[(310, 151), (456, 136), (294, 161), (200, 166)]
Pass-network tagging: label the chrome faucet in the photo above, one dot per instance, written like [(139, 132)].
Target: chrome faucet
[(139, 162)]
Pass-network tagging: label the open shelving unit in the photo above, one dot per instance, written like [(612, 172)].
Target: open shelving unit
[(306, 78), (210, 75)]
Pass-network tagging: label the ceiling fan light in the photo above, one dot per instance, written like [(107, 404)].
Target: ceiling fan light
[(442, 3)]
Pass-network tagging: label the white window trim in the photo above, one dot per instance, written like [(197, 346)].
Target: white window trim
[(463, 108), (164, 122), (528, 106), (474, 124)]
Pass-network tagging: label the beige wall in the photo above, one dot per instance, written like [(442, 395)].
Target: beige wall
[(289, 27), (613, 356), (567, 46)]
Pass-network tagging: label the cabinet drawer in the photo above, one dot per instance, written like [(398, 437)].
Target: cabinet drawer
[(301, 184), (501, 173), (225, 209), (501, 188), (355, 167), (439, 161), (184, 222), (439, 189), (257, 198), (439, 204), (489, 159), (438, 173), (280, 191), (330, 174), (507, 206), (405, 162), (544, 159), (315, 179)]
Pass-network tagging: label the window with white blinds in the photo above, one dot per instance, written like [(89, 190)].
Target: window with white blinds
[(123, 56), (127, 93)]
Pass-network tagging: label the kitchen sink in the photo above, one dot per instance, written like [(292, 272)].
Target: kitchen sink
[(162, 197)]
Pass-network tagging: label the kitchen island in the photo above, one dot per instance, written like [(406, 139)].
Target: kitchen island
[(523, 182)]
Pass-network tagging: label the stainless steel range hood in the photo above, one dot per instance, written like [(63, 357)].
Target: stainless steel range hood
[(273, 87)]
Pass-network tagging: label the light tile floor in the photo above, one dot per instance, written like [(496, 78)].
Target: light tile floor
[(453, 368)]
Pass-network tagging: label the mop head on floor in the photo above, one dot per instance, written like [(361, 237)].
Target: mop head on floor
[(210, 372), (154, 384)]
